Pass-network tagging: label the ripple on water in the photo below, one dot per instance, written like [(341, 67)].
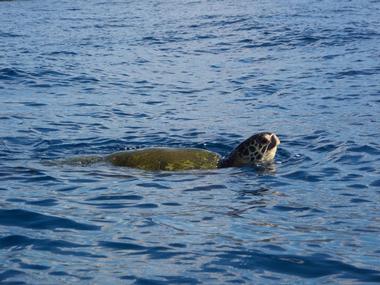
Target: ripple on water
[(13, 74), (33, 220), (312, 266), (304, 175)]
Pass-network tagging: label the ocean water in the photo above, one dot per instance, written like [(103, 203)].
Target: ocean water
[(95, 77)]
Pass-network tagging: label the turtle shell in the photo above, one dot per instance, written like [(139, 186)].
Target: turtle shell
[(169, 159)]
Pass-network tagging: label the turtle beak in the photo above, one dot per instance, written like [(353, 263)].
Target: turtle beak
[(274, 141)]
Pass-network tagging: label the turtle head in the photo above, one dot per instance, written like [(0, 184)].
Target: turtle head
[(259, 148)]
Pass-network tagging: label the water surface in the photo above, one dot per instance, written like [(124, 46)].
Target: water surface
[(94, 77)]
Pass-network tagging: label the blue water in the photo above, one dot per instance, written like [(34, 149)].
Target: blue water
[(95, 77)]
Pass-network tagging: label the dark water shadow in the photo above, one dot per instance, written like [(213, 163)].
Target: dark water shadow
[(312, 266), (62, 247), (33, 220)]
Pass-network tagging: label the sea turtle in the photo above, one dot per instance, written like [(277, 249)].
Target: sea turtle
[(257, 149)]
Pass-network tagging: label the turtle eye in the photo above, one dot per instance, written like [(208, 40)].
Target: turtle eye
[(263, 141)]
